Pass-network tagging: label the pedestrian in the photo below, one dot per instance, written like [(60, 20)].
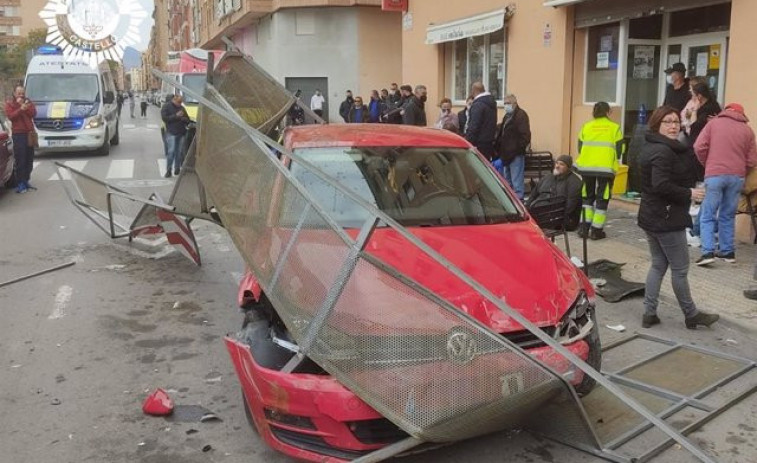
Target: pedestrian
[(677, 91), (414, 110), (316, 103), (667, 189), (689, 113), (344, 108), (359, 113), (447, 119), (726, 148), (512, 141), (132, 103), (600, 145), (143, 106), (21, 112), (482, 121), (174, 116), (562, 183), (462, 115), (296, 113), (120, 102), (375, 107), (394, 95)]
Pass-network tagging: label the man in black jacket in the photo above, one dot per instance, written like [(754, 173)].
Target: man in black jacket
[(344, 108), (175, 118), (482, 121), (563, 183), (513, 139), (414, 111)]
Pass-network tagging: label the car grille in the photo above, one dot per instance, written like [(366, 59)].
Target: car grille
[(527, 340), (379, 431), (64, 124), (314, 444)]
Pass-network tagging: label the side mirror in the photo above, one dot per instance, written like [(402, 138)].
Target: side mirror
[(109, 97)]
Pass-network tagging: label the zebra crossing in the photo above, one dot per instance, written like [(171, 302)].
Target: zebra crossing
[(113, 169)]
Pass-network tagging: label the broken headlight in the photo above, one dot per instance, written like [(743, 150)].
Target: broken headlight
[(577, 322)]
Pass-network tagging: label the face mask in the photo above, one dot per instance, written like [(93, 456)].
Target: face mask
[(669, 79), (509, 108)]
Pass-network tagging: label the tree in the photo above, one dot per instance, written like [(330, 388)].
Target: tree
[(13, 58)]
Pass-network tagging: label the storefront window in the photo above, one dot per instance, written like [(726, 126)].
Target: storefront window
[(602, 63), (480, 58), (715, 18)]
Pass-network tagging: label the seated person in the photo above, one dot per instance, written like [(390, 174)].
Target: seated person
[(561, 182)]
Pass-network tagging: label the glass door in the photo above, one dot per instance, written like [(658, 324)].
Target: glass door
[(703, 58)]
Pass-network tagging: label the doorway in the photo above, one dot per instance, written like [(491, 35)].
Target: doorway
[(307, 86), (703, 57)]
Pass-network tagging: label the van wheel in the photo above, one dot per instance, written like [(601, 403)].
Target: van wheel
[(117, 137), (594, 359), (105, 149)]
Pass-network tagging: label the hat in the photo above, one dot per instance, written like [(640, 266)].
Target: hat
[(565, 159), (735, 107), (678, 67)]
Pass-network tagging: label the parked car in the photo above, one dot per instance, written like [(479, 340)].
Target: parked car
[(449, 196), (6, 152)]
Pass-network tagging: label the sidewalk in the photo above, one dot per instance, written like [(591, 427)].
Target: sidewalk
[(716, 288)]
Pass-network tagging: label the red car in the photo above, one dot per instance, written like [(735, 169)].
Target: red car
[(6, 153), (434, 183)]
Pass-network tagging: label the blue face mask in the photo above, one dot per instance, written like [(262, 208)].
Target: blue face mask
[(509, 108)]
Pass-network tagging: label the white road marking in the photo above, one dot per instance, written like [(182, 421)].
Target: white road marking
[(62, 298), (35, 164), (121, 168), (77, 165), (162, 166), (129, 126), (152, 126)]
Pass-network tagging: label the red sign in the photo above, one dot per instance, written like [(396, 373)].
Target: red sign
[(394, 5)]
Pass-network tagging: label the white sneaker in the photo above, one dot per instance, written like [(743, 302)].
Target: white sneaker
[(692, 240)]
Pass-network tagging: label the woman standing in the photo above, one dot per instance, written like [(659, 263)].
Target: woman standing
[(668, 176), (447, 119)]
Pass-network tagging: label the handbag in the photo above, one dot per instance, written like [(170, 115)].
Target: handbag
[(32, 139)]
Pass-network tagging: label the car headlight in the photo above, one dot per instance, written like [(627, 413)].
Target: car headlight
[(94, 122), (577, 321)]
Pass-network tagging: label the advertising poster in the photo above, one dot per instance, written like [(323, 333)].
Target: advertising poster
[(643, 62)]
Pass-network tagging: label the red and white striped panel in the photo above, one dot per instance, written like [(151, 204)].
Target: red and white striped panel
[(179, 234)]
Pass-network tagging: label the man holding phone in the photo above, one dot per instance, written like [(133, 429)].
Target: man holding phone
[(21, 111), (175, 117)]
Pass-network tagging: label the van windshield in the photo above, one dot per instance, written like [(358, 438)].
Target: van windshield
[(196, 82), (62, 87)]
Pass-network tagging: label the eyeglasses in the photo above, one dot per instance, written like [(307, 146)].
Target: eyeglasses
[(671, 122)]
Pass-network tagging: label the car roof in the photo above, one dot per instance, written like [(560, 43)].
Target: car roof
[(315, 135)]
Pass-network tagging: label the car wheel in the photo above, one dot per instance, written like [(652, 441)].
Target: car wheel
[(117, 137), (105, 149), (248, 414), (594, 359)]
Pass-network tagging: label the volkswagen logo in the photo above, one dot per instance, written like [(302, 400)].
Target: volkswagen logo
[(58, 125), (461, 347)]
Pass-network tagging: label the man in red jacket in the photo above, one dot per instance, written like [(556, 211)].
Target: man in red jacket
[(21, 111), (726, 148)]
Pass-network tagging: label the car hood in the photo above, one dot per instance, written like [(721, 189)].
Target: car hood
[(515, 261)]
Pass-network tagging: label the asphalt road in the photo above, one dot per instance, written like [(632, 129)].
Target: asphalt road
[(80, 348)]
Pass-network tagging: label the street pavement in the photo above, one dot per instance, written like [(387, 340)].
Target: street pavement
[(80, 348)]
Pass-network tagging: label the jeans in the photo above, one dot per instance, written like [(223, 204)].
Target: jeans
[(668, 249), (174, 151), (719, 205), (514, 175), (23, 157)]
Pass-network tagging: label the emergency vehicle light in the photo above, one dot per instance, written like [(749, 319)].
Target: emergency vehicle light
[(49, 50)]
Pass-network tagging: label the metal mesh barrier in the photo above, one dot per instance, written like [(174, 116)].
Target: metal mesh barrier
[(188, 195)]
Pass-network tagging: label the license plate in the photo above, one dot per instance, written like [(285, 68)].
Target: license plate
[(54, 143)]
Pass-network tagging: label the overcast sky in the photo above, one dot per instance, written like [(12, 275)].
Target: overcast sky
[(146, 26)]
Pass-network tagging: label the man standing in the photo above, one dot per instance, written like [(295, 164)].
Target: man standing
[(316, 103), (513, 139), (462, 115), (726, 147), (143, 106), (21, 112), (677, 92), (358, 114), (344, 108), (132, 103), (600, 144), (561, 183), (375, 107), (175, 118), (482, 121), (414, 110)]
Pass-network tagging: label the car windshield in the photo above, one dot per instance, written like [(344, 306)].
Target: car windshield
[(196, 82), (417, 187), (62, 87)]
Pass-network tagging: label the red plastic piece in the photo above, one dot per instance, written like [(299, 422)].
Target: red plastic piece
[(158, 403)]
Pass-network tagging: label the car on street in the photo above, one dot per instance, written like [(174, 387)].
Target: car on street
[(444, 192), (6, 152)]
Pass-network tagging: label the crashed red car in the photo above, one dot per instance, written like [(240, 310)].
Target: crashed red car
[(436, 185)]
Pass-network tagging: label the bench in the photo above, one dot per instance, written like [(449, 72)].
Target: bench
[(549, 215), (537, 165)]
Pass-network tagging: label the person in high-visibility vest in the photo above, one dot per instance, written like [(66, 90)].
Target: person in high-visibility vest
[(600, 145)]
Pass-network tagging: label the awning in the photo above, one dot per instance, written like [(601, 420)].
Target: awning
[(556, 3), (467, 27)]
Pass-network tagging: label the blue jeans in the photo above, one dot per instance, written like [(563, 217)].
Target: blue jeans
[(174, 151), (719, 205), (514, 175)]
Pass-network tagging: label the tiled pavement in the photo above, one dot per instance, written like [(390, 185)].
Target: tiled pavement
[(716, 288)]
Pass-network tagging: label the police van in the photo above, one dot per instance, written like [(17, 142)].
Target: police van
[(76, 103)]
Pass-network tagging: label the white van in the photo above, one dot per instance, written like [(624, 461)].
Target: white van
[(76, 104)]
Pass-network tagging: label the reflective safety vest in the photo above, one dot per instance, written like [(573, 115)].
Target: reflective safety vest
[(599, 141)]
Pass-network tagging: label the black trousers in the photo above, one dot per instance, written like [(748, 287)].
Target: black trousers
[(24, 157)]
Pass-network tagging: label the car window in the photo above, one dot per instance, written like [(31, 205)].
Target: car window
[(62, 87), (417, 187)]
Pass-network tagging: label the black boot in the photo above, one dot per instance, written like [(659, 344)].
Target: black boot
[(583, 230), (597, 233), (750, 294), (648, 321), (701, 318)]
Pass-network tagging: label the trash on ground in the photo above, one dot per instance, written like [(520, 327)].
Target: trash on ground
[(577, 262), (207, 448), (55, 402), (618, 328), (598, 282), (158, 403), (192, 414), (191, 431), (41, 272), (209, 417)]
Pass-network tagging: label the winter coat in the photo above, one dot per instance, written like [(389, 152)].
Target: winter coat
[(566, 186), (21, 120), (482, 124), (414, 112), (726, 145), (344, 108), (352, 115), (667, 176), (677, 98), (175, 125), (513, 136), (462, 120)]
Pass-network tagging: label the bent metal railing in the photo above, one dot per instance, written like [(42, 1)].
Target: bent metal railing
[(437, 373)]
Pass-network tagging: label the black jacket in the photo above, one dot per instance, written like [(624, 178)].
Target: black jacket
[(462, 119), (667, 174), (482, 124), (677, 98), (175, 125), (344, 108), (566, 186), (415, 112), (710, 109), (513, 136)]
